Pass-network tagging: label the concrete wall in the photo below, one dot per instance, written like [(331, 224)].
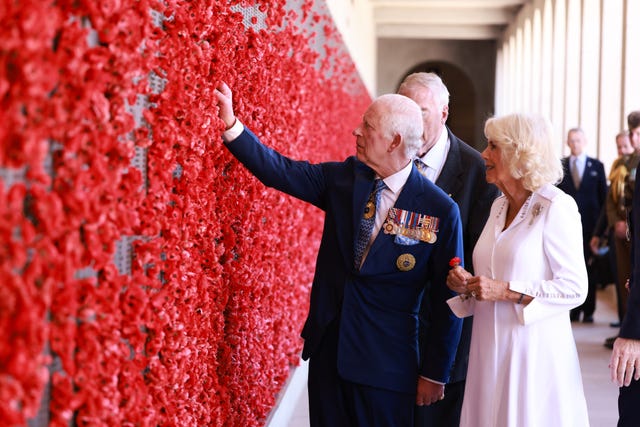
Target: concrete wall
[(477, 59), (354, 20)]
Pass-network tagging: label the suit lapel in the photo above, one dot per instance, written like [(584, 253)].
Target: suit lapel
[(450, 179), (567, 175), (362, 187), (586, 175)]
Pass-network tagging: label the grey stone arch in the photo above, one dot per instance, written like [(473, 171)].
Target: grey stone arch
[(462, 101)]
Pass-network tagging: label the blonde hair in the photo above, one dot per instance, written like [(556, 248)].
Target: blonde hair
[(525, 141)]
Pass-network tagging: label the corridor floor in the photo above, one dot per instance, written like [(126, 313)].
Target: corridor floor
[(602, 394)]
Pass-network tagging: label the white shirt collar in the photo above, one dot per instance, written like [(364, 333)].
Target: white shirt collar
[(580, 159), (436, 156), (397, 181)]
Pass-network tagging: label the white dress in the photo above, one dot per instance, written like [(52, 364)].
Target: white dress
[(523, 364)]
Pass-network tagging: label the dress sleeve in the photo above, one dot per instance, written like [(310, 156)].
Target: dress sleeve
[(462, 307), (563, 255)]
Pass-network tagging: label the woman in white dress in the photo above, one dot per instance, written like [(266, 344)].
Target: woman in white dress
[(530, 272)]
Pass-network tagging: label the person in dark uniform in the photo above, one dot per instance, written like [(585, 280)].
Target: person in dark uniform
[(459, 171), (388, 237)]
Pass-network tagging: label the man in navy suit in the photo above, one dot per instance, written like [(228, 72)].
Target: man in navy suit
[(625, 358), (459, 171), (366, 367), (584, 180)]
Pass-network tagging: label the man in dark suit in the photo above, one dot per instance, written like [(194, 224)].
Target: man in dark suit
[(459, 171), (625, 358), (584, 180), (366, 367)]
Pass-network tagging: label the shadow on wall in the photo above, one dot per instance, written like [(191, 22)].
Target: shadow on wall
[(462, 101)]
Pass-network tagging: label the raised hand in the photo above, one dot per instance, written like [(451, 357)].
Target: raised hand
[(225, 104)]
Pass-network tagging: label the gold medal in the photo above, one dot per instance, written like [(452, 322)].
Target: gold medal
[(369, 210), (405, 262), (433, 237), (388, 228)]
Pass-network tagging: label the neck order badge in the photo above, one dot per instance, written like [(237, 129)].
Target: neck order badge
[(367, 222)]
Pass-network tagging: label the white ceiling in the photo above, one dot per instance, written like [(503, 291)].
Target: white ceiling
[(444, 19)]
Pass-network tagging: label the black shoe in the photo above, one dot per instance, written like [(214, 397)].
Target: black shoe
[(587, 319), (614, 324), (574, 316)]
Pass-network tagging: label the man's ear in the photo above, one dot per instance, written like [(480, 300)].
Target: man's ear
[(395, 143), (445, 114)]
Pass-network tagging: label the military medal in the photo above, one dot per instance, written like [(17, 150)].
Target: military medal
[(369, 210), (388, 228), (412, 225), (405, 262)]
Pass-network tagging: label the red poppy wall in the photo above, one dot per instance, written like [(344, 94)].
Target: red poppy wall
[(146, 278)]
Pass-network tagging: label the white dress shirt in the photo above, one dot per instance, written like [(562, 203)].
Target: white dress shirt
[(436, 156)]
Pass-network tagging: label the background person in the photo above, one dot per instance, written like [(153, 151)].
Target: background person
[(584, 180), (529, 273), (625, 358), (616, 219), (459, 171), (388, 233)]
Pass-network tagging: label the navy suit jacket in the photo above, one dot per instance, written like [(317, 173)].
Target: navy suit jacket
[(377, 306), (464, 178), (590, 197), (630, 327)]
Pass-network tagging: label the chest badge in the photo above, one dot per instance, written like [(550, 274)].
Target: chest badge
[(406, 262)]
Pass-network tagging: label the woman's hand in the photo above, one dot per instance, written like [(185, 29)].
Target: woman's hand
[(486, 289), (457, 280)]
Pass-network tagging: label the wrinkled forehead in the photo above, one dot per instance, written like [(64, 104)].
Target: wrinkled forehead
[(373, 112)]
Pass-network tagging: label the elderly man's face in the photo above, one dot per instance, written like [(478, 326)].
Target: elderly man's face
[(433, 115), (372, 144)]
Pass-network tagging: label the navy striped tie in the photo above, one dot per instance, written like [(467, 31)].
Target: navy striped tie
[(367, 222)]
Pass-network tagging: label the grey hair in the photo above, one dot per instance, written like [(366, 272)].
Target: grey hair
[(526, 143), (431, 81), (403, 118)]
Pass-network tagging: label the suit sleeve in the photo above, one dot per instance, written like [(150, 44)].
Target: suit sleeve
[(486, 194), (602, 185), (443, 334), (297, 178), (630, 327)]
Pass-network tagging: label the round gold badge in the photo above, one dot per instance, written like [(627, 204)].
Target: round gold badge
[(406, 262), (369, 210)]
